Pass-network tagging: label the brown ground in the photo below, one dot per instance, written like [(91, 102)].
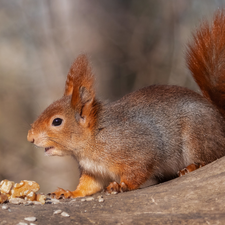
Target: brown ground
[(196, 198)]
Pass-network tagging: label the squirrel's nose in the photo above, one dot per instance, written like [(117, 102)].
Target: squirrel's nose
[(30, 136)]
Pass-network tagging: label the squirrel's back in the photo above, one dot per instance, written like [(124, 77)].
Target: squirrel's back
[(162, 124)]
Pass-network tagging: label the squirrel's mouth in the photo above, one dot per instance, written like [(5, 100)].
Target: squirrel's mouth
[(48, 148)]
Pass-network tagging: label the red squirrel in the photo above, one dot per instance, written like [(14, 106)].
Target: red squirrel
[(149, 134)]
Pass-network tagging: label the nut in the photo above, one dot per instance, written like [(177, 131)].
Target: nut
[(30, 196), (6, 186), (3, 198), (24, 187), (41, 198)]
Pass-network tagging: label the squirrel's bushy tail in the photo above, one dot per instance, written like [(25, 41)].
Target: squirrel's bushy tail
[(206, 60)]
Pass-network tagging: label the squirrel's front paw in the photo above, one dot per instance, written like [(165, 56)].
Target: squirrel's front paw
[(61, 193), (115, 188)]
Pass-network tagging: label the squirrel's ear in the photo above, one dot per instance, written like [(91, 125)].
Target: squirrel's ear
[(84, 107), (80, 81), (80, 72)]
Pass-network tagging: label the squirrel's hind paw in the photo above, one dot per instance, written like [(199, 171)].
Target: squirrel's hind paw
[(115, 188), (189, 169)]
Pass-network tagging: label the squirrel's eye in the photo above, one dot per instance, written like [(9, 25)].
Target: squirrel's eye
[(57, 122)]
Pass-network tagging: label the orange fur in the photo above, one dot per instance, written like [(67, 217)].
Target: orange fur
[(189, 169), (206, 60), (147, 135), (87, 186), (79, 84), (80, 74)]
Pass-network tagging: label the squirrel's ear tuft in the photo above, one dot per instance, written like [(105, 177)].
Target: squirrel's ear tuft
[(79, 84), (79, 74)]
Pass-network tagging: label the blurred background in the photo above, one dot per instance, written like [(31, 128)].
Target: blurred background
[(131, 44)]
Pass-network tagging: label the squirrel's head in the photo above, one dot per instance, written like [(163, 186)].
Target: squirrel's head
[(67, 125)]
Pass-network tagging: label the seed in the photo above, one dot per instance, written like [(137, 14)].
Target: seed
[(100, 196), (57, 212), (5, 207), (64, 214), (89, 199), (22, 223), (53, 201), (30, 219), (17, 201), (28, 203), (101, 200), (37, 203)]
